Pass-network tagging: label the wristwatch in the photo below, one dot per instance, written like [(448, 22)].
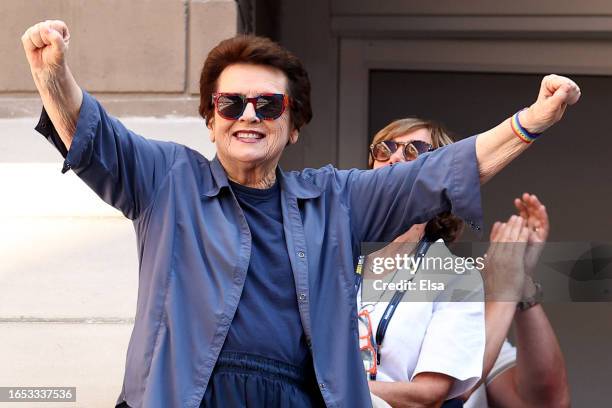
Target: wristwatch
[(532, 300)]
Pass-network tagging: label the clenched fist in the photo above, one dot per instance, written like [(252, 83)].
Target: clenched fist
[(45, 45), (556, 93)]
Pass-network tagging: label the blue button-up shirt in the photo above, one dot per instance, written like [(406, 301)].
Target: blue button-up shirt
[(194, 247)]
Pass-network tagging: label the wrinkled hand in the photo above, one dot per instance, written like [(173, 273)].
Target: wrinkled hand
[(504, 271), (556, 93), (45, 45)]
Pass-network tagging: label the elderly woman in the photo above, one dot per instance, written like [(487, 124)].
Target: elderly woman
[(246, 284)]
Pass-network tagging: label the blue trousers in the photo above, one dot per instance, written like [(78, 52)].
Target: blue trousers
[(244, 380)]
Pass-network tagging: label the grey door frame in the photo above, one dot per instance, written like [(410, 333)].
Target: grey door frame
[(461, 44)]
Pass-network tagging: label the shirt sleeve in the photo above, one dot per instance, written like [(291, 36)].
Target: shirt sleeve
[(505, 360), (123, 168), (454, 344), (385, 202)]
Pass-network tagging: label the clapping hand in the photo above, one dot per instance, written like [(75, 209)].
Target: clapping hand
[(504, 271), (536, 218)]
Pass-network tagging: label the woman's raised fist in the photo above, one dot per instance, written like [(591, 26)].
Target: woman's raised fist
[(45, 45)]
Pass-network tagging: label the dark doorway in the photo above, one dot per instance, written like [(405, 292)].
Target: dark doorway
[(569, 168)]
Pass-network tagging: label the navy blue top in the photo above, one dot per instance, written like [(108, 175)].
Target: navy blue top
[(267, 321), (194, 248)]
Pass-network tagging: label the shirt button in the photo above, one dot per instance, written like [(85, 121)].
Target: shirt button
[(301, 254), (302, 297), (322, 386)]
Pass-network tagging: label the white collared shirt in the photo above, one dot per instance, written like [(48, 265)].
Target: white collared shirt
[(505, 360), (434, 336)]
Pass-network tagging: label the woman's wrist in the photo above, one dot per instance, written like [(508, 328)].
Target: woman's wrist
[(532, 295), (529, 287), (529, 122), (522, 125)]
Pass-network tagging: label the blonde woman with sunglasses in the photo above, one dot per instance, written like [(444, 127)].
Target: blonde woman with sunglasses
[(432, 350), (538, 378)]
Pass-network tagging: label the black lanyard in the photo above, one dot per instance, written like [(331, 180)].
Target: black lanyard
[(421, 250)]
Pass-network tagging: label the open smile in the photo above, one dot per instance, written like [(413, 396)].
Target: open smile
[(248, 136)]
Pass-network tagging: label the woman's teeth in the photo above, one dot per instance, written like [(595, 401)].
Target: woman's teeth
[(243, 135)]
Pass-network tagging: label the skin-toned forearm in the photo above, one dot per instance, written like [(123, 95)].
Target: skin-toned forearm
[(62, 98), (497, 147), (498, 319), (540, 375), (45, 45), (427, 390)]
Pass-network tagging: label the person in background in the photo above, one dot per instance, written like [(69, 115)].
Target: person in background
[(536, 376), (430, 350), (532, 373)]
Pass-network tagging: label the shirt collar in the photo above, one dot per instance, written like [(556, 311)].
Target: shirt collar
[(295, 184), (292, 182), (219, 178)]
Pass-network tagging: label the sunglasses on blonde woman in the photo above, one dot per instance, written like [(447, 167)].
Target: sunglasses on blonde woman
[(382, 151)]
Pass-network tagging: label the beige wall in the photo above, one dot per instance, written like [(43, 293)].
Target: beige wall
[(68, 262), (144, 56)]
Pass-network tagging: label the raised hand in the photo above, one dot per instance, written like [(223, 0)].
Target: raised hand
[(45, 45), (504, 271), (556, 93), (535, 215)]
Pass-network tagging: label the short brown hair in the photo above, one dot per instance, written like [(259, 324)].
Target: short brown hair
[(444, 226), (250, 49)]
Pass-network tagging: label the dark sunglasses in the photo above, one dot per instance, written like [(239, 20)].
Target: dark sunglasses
[(268, 106), (382, 151)]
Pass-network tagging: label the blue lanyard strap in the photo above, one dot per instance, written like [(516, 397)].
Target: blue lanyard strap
[(422, 248)]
